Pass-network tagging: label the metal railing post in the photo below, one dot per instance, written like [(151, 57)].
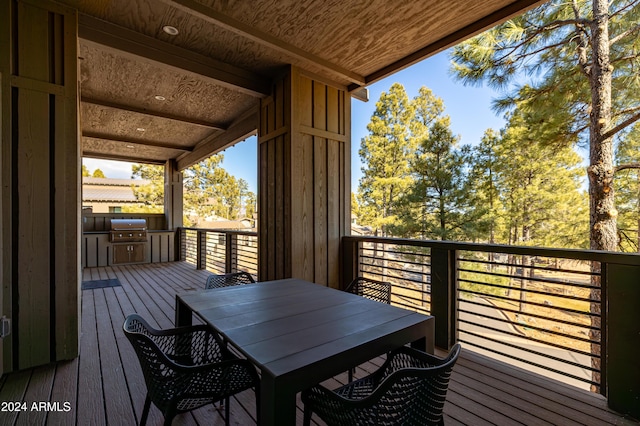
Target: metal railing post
[(350, 260), (231, 252), (201, 250), (443, 296)]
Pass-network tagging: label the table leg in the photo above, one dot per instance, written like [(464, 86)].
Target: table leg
[(277, 403), (426, 343), (183, 314)]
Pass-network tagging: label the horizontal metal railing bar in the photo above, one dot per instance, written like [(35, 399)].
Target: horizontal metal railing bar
[(407, 262), (590, 314), (411, 298), (391, 268), (533, 339), (371, 251), (531, 351), (544, 367), (575, 254), (541, 268), (223, 231), (534, 279), (533, 315), (531, 290)]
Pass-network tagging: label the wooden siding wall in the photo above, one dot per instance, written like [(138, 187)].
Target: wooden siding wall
[(305, 174), (97, 250), (40, 182), (101, 222)]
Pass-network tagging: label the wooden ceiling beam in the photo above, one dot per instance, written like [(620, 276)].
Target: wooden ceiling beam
[(214, 17), (118, 157), (160, 114), (244, 127), (516, 8), (113, 138), (141, 46)]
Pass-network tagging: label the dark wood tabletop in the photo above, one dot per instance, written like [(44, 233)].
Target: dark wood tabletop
[(300, 333)]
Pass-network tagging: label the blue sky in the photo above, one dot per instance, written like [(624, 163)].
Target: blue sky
[(468, 106)]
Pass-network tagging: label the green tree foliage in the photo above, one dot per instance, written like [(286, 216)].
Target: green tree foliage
[(578, 53), (209, 190), (484, 176), (151, 195), (627, 187), (441, 197), (85, 171), (97, 173), (385, 153), (539, 190)]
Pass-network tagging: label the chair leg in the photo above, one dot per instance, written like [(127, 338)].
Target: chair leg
[(227, 402), (257, 391), (307, 417), (145, 410), (351, 371)]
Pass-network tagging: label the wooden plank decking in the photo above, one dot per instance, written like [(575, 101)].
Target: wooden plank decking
[(104, 386)]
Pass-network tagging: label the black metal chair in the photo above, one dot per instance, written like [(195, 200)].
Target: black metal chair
[(226, 280), (379, 291), (409, 389), (186, 368)]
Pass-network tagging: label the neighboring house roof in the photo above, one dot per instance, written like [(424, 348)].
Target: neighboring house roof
[(107, 189), (225, 224)]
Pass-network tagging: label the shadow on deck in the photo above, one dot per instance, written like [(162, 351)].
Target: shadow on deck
[(105, 386)]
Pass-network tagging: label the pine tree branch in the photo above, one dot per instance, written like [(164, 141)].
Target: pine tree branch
[(623, 34), (628, 166), (611, 132), (623, 9)]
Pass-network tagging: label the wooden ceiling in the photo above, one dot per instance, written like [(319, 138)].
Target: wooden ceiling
[(149, 96)]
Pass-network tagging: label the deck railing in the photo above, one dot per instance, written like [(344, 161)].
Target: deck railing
[(220, 251), (546, 310)]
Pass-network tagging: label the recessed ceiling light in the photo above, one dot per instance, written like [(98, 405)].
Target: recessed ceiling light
[(141, 129), (170, 30), (160, 97), (129, 146)]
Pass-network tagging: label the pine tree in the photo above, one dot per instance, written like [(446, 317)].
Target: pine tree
[(385, 153), (152, 193), (627, 185), (578, 53)]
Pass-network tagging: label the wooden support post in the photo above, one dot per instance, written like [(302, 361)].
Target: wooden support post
[(443, 296), (304, 201), (40, 182)]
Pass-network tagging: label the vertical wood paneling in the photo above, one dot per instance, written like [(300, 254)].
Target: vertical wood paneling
[(41, 186), (67, 199), (302, 183), (271, 208), (34, 243), (262, 202), (308, 166)]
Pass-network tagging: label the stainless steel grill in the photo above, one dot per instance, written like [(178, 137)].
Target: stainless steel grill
[(128, 230)]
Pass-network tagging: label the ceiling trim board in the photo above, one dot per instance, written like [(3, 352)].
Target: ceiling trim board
[(514, 9), (116, 157), (237, 132)]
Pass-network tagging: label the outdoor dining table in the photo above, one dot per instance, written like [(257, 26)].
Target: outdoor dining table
[(298, 333)]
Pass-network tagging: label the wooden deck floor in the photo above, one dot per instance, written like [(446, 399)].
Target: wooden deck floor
[(104, 385)]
